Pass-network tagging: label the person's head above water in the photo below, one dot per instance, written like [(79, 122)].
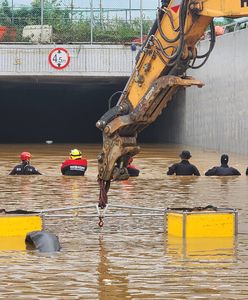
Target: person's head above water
[(224, 159), (25, 156), (185, 154), (75, 154)]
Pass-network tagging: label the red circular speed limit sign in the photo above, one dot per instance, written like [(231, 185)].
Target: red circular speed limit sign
[(59, 58)]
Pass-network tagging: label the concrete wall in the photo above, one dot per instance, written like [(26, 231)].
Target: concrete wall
[(85, 60), (215, 116)]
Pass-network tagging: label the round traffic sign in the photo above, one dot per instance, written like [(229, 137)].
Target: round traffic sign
[(59, 58)]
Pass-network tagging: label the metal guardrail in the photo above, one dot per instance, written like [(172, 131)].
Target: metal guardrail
[(231, 27), (91, 22), (47, 22), (238, 25)]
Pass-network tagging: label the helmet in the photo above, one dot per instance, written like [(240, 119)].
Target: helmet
[(185, 154), (75, 154), (25, 156), (224, 158)]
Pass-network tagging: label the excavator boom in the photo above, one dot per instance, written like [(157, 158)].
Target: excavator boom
[(169, 50)]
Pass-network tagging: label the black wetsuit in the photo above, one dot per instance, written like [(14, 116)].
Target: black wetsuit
[(183, 168), (132, 171), (246, 171), (24, 169), (223, 170)]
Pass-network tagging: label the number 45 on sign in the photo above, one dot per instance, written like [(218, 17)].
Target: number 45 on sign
[(59, 58)]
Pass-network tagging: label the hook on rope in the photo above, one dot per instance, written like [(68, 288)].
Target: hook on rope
[(101, 214), (100, 223)]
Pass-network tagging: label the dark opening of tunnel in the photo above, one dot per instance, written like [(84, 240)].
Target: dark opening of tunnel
[(58, 109), (64, 110)]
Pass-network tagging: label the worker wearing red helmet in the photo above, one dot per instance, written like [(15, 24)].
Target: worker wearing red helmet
[(24, 168), (75, 165)]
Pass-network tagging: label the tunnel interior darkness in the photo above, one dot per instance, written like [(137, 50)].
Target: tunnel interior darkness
[(59, 109)]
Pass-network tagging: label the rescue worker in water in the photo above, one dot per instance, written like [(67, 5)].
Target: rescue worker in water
[(224, 169), (184, 168), (76, 165), (25, 168)]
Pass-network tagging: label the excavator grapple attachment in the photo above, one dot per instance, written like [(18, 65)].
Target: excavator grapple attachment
[(120, 134)]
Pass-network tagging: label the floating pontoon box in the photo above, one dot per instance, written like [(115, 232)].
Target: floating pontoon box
[(14, 228), (208, 222), (19, 225)]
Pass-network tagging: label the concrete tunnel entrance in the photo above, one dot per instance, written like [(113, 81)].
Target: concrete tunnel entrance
[(64, 110)]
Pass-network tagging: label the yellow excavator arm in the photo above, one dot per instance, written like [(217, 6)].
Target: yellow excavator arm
[(169, 50)]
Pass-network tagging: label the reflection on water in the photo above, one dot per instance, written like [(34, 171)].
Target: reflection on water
[(113, 280), (202, 249), (130, 257)]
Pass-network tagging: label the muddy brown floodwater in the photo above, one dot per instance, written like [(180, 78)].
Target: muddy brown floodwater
[(130, 257)]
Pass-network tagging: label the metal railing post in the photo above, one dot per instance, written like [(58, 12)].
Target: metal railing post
[(141, 21), (101, 12), (130, 11), (91, 22), (41, 19), (72, 11), (12, 12)]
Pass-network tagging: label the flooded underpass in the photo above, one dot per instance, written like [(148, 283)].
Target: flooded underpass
[(130, 257)]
